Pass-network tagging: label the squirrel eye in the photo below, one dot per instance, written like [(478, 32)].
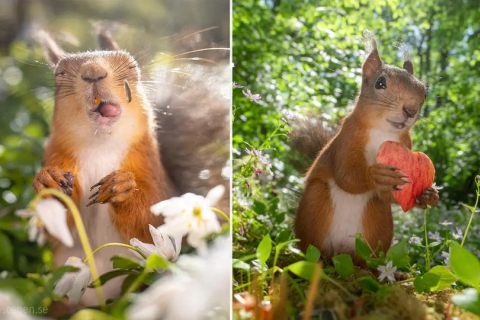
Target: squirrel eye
[(381, 83)]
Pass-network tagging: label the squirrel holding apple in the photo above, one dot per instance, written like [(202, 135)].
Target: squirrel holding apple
[(104, 150), (346, 191)]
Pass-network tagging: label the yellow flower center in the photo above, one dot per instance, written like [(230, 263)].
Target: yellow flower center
[(197, 211)]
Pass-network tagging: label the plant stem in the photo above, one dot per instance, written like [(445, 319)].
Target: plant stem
[(113, 244), (135, 284), (471, 216), (220, 212), (405, 281), (82, 234), (426, 238)]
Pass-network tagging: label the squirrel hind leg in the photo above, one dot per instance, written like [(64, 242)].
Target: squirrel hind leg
[(378, 224)]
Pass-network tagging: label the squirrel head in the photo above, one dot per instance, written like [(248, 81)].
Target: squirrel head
[(390, 98), (97, 92)]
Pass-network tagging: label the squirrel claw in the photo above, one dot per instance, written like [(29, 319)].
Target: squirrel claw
[(97, 184), (93, 195), (115, 187), (92, 202), (429, 197)]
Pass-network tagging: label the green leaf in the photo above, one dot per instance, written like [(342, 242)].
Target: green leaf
[(362, 249), (150, 278), (469, 300), (6, 252), (426, 282), (312, 254), (154, 261), (465, 265), (303, 269), (472, 209), (343, 265), (369, 284), (121, 262), (383, 291), (239, 264), (104, 278), (264, 249), (398, 254), (374, 263), (446, 278), (128, 282)]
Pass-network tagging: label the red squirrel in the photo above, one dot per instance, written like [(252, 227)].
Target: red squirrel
[(346, 191), (103, 152)]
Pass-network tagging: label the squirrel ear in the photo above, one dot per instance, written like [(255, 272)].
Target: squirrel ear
[(105, 40), (53, 52), (373, 62), (408, 65)]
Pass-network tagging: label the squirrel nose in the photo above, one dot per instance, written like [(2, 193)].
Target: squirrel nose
[(410, 112), (93, 73)]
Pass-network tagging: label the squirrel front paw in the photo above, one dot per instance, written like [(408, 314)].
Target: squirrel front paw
[(429, 197), (116, 187), (387, 178), (51, 177)]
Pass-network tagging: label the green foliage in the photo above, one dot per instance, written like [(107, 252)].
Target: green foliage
[(343, 265)]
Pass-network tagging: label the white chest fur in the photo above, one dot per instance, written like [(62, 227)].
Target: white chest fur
[(95, 162), (348, 208), (377, 137)]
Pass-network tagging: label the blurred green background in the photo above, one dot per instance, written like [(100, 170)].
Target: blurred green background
[(306, 57), (149, 29)]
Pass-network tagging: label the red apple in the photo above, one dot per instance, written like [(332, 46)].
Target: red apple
[(416, 165)]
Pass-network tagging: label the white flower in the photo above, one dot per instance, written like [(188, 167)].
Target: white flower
[(446, 223), (195, 289), (73, 284), (166, 247), (415, 240), (435, 236), (387, 271), (458, 235), (446, 257), (190, 215), (51, 215), (11, 307)]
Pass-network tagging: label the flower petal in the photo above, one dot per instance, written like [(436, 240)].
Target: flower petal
[(54, 217), (146, 248), (162, 243), (178, 246), (214, 195), (79, 285)]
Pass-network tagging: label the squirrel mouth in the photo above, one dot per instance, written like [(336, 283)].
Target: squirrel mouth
[(397, 125), (106, 113)]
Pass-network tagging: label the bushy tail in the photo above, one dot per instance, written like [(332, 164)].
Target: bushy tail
[(193, 112), (308, 137)]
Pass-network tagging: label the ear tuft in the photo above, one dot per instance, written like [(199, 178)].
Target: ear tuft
[(408, 65), (373, 62), (53, 52), (104, 37)]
